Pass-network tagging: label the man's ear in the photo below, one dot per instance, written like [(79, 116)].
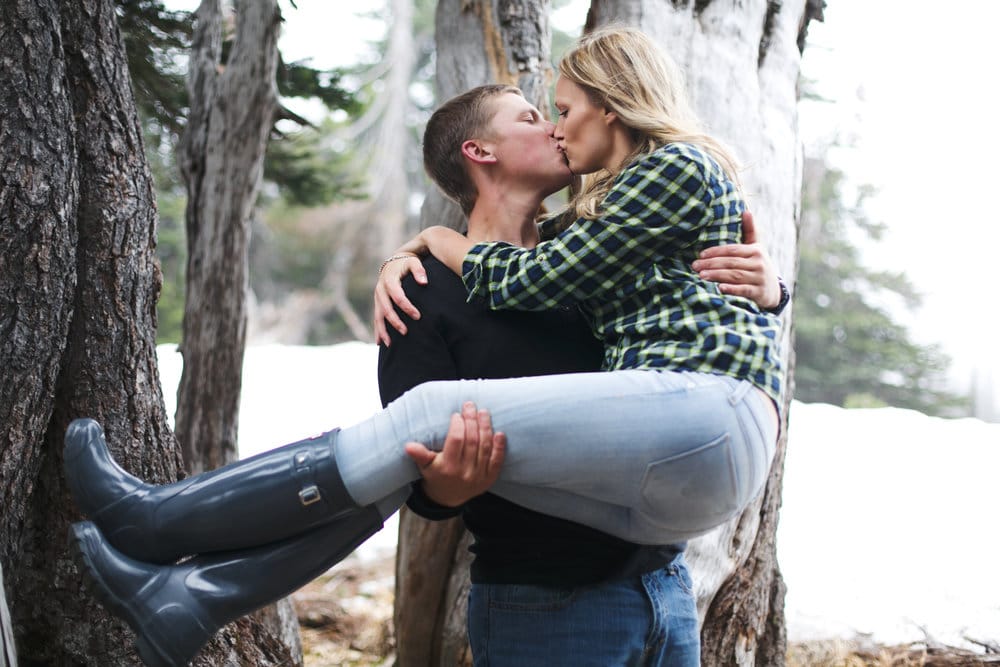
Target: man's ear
[(478, 151)]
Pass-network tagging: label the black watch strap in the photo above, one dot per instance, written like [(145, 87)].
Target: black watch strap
[(786, 296)]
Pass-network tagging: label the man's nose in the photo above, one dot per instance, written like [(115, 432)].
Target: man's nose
[(550, 127)]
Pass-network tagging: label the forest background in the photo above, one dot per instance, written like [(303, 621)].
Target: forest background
[(341, 189)]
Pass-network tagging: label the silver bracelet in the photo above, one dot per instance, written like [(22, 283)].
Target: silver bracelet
[(391, 259)]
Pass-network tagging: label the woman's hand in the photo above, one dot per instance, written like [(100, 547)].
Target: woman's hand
[(448, 246), (742, 269), (389, 291), (469, 463)]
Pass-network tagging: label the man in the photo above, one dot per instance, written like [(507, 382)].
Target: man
[(544, 590)]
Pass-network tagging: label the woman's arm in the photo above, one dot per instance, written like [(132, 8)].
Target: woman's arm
[(656, 211), (446, 244)]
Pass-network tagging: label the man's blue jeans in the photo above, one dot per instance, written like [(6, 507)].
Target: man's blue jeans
[(640, 621), (653, 457)]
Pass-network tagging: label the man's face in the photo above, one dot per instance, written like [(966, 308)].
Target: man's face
[(525, 148)]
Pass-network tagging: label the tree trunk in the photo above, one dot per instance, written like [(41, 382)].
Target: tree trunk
[(741, 61), (388, 187), (233, 108), (78, 287), (478, 42)]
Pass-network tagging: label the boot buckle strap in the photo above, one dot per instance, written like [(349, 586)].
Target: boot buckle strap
[(309, 495)]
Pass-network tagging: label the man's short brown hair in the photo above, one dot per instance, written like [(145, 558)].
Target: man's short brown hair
[(466, 116)]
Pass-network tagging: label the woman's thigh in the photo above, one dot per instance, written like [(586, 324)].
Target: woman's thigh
[(650, 456)]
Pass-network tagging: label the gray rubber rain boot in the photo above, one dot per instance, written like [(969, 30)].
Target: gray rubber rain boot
[(175, 609), (268, 497)]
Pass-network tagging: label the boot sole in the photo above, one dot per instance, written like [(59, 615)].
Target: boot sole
[(150, 653)]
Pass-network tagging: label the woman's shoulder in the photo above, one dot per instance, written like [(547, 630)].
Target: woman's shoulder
[(685, 158), (672, 161), (683, 151)]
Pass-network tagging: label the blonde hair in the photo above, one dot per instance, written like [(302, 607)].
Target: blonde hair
[(624, 71)]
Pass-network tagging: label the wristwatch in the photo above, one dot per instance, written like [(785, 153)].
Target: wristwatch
[(786, 296)]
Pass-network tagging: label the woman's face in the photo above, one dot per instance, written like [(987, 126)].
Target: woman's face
[(584, 130)]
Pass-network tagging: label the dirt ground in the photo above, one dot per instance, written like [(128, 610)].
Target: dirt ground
[(345, 616)]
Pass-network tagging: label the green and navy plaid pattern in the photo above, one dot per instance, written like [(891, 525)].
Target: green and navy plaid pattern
[(630, 272)]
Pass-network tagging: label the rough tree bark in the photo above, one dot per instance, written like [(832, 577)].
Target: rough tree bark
[(78, 288), (234, 104), (741, 61), (221, 154), (78, 283), (478, 42)]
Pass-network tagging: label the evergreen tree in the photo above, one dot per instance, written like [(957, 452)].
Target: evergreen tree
[(157, 41), (850, 349)]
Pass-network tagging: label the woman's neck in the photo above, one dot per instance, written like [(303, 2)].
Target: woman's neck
[(624, 147)]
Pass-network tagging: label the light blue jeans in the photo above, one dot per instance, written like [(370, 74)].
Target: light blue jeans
[(647, 620), (653, 457)]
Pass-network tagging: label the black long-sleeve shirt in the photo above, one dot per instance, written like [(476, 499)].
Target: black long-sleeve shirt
[(457, 340)]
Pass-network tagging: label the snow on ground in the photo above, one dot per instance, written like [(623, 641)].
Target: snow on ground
[(889, 523), (889, 517), (295, 392)]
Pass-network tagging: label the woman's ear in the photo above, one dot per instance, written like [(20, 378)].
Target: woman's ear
[(609, 116), (478, 151)]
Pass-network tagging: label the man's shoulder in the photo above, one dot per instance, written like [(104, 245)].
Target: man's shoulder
[(443, 286)]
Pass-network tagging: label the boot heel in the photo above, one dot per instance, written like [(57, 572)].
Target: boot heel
[(79, 536)]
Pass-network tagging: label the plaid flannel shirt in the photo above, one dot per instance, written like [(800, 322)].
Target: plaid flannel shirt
[(630, 272)]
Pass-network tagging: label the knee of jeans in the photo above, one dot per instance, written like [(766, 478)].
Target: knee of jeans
[(425, 393)]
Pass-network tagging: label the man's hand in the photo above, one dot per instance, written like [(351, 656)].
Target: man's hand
[(742, 269), (469, 463), (389, 290)]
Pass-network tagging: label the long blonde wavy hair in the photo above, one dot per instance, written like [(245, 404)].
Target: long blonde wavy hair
[(624, 71)]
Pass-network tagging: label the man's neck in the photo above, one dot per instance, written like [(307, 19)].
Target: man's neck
[(503, 217)]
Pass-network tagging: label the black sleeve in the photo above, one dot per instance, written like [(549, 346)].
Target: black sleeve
[(423, 506), (419, 356)]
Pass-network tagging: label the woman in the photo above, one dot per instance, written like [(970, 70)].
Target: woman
[(695, 413), (660, 191)]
